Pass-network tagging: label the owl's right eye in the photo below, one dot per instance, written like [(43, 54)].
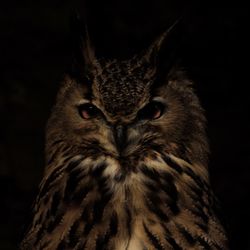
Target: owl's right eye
[(88, 111), (151, 111)]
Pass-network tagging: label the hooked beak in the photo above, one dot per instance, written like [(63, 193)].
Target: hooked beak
[(120, 136)]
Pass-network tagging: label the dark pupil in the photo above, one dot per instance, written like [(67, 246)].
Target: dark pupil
[(151, 111), (89, 108)]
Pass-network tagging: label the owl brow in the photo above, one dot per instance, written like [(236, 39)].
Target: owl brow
[(158, 99), (83, 101), (155, 98)]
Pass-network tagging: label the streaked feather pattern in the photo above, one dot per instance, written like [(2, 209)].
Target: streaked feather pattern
[(160, 204), (116, 181)]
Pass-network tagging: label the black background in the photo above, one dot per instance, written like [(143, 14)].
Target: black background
[(35, 51)]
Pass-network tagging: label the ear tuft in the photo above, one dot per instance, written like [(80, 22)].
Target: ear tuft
[(83, 51), (87, 48), (166, 45)]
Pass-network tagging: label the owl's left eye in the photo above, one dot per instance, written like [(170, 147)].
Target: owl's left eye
[(151, 111), (88, 111)]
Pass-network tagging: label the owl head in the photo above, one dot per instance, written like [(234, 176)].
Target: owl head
[(129, 108)]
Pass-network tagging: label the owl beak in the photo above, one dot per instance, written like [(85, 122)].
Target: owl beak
[(120, 136)]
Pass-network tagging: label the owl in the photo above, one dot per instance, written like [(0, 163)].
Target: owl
[(126, 153)]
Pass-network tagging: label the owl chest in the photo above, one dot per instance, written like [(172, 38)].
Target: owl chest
[(103, 207), (129, 218), (132, 219)]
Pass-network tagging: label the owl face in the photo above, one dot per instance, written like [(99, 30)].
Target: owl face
[(123, 108)]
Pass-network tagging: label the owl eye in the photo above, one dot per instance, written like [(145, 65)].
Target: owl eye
[(151, 111), (88, 111)]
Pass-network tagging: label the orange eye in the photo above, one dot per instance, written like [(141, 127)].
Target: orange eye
[(88, 111), (151, 111)]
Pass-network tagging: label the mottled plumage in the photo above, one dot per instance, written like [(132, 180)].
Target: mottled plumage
[(132, 175)]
